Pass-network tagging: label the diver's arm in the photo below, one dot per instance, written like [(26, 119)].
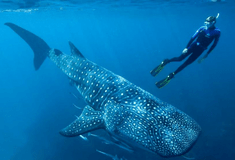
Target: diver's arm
[(213, 46), (190, 42), (194, 37), (209, 51)]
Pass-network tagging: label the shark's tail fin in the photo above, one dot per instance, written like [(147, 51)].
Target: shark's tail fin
[(39, 46)]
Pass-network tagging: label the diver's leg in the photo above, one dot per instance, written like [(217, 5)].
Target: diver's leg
[(190, 60), (158, 69), (177, 59), (181, 57)]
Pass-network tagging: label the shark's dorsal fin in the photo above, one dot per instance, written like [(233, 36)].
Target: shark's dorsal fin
[(88, 121), (74, 51)]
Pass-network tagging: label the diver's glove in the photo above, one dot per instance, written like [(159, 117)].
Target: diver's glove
[(202, 59), (185, 51)]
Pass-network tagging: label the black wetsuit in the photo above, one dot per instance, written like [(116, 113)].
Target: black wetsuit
[(203, 38)]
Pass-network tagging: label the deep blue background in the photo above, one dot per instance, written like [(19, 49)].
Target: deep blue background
[(130, 41)]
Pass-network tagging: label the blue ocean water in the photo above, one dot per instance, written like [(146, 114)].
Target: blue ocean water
[(129, 38)]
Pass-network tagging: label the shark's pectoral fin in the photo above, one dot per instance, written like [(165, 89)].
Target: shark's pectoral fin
[(74, 51), (88, 121)]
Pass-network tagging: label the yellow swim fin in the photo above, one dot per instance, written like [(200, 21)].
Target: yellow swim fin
[(159, 68), (165, 81)]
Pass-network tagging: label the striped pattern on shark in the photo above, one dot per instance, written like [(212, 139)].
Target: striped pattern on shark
[(124, 110)]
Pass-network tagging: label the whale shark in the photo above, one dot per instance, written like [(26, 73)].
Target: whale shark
[(127, 112)]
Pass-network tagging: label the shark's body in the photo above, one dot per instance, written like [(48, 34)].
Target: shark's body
[(124, 110)]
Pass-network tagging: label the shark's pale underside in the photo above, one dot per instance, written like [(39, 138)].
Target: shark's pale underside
[(124, 110)]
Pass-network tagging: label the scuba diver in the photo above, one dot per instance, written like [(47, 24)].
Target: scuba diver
[(197, 44)]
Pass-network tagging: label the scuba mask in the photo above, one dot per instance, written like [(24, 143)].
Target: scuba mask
[(210, 21)]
